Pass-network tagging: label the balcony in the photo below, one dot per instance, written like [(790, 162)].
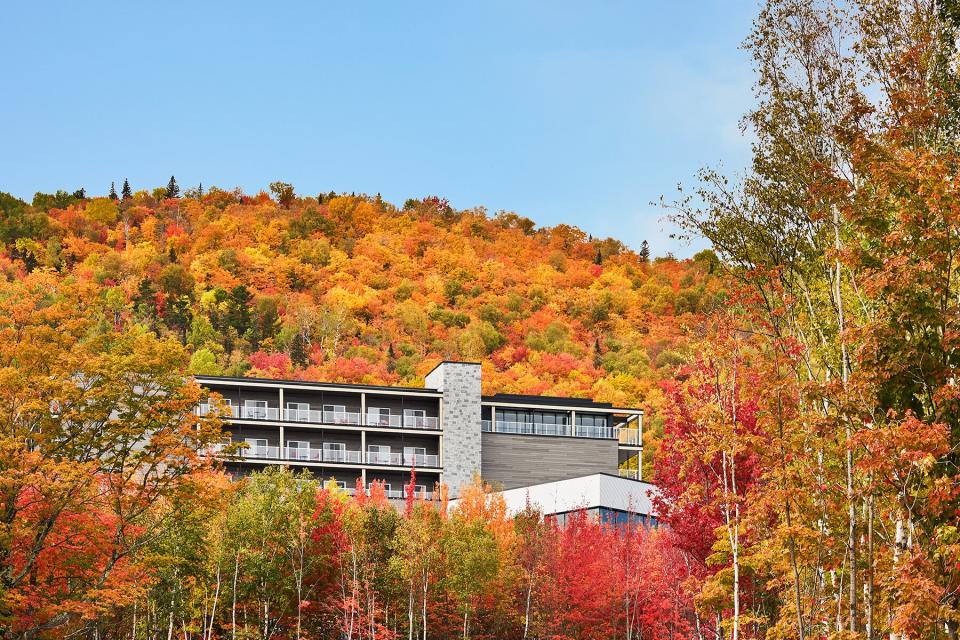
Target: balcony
[(402, 459), (633, 474), (421, 460), (261, 452), (338, 456), (313, 416), (629, 437), (402, 422), (544, 429), (335, 456)]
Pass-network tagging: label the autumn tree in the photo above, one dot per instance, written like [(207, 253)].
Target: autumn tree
[(99, 431), (829, 230)]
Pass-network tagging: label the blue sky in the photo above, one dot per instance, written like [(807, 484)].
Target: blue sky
[(574, 112)]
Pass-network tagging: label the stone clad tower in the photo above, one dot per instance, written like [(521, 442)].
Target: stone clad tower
[(460, 384)]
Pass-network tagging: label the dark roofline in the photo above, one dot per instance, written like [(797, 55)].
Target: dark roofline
[(311, 383), (551, 401), (449, 362)]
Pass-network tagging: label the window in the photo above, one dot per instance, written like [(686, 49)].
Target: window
[(414, 417), (299, 411), (591, 420), (335, 413), (386, 487), (593, 426), (378, 453), (334, 452), (341, 484), (414, 455), (378, 416), (419, 490), (298, 449), (257, 447), (256, 409)]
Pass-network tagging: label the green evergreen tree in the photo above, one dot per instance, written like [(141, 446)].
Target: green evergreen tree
[(173, 189), (126, 193), (113, 192), (598, 259), (645, 251), (391, 358)]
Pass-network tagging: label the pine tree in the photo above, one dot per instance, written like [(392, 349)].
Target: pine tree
[(80, 194), (125, 192), (113, 192), (173, 189), (645, 251), (598, 259)]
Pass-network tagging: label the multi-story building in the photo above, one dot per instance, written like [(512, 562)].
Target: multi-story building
[(447, 430)]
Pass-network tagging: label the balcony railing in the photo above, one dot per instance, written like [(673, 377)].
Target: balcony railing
[(629, 436), (544, 429), (342, 456), (378, 457), (313, 416), (261, 452), (405, 422), (421, 460), (633, 474), (337, 456), (590, 431)]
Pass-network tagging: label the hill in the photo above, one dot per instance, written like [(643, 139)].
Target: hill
[(350, 288)]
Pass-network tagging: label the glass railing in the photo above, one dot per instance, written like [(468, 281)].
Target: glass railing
[(421, 422), (314, 416), (633, 474), (421, 460), (590, 431), (625, 436), (380, 420), (383, 457), (261, 452), (340, 456)]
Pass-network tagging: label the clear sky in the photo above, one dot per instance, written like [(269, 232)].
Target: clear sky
[(575, 112)]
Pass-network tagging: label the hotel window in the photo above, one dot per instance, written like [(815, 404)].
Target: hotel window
[(414, 417), (298, 449), (256, 409), (378, 416), (299, 411), (414, 455), (378, 453), (257, 447), (335, 413), (334, 452)]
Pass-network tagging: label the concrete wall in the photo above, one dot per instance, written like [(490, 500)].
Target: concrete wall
[(460, 384), (519, 460)]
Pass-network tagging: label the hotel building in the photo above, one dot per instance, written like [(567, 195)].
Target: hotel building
[(447, 430)]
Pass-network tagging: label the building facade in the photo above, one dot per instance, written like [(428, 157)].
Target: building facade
[(611, 499), (447, 430)]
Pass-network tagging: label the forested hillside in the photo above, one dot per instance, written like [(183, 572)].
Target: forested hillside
[(350, 288)]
